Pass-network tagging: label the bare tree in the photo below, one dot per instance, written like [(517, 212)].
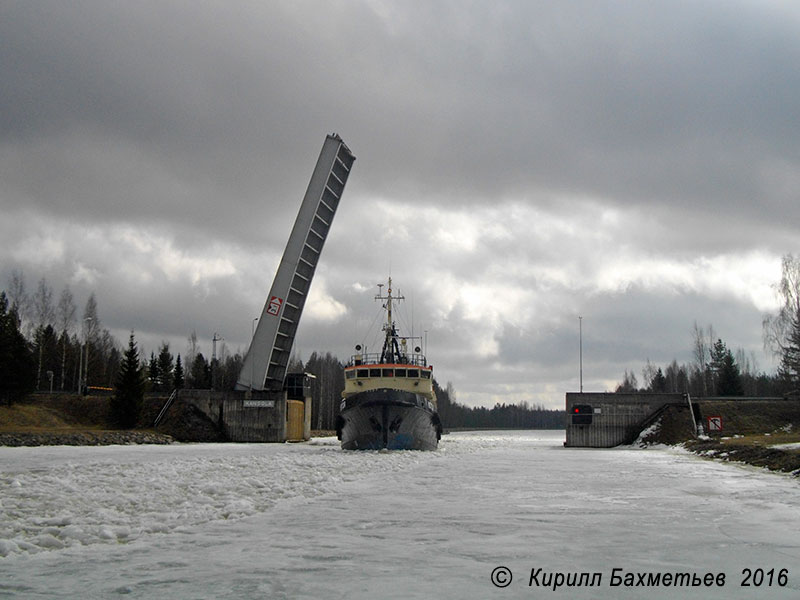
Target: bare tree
[(43, 313), (328, 386), (629, 383), (677, 378), (91, 322), (748, 362), (777, 328), (648, 374), (91, 328), (451, 391), (191, 349), (18, 297), (65, 319), (701, 347), (107, 350), (43, 309)]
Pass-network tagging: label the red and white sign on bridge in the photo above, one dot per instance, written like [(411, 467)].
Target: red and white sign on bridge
[(274, 305)]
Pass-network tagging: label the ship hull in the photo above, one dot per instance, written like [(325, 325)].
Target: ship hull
[(391, 419)]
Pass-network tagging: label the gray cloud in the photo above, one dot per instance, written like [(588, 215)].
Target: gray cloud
[(518, 164)]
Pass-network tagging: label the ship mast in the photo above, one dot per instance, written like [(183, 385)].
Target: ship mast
[(391, 348)]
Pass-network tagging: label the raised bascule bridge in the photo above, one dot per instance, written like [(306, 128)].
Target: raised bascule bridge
[(269, 404)]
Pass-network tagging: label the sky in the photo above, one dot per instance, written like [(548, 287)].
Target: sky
[(541, 180)]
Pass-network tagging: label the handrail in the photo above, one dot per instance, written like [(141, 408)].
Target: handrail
[(645, 424), (416, 360), (164, 410), (695, 430)]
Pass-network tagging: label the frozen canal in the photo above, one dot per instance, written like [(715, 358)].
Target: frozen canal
[(312, 521)]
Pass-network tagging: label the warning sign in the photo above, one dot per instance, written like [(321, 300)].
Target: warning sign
[(714, 423), (274, 306)]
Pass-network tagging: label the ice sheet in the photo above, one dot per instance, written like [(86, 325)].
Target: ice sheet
[(310, 520)]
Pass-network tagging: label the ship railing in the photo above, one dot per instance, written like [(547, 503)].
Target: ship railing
[(416, 360)]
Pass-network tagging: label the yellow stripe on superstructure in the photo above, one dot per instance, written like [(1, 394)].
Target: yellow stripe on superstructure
[(418, 385)]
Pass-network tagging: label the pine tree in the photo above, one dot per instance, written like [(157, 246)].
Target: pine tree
[(165, 368), (200, 373), (129, 394), (152, 372), (230, 371), (659, 382), (17, 362), (718, 354), (730, 380), (177, 374)]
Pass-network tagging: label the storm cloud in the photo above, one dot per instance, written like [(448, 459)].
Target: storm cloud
[(519, 164)]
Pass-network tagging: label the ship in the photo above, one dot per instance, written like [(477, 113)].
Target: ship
[(388, 400)]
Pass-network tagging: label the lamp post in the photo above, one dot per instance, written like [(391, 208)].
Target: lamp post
[(580, 349), (82, 381), (80, 367), (86, 364)]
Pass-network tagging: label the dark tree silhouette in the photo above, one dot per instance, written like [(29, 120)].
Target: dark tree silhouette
[(17, 362), (126, 404)]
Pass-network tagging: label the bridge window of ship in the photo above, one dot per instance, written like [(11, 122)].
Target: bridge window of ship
[(388, 372), (350, 374), (413, 373), (425, 374), (363, 373), (400, 372), (374, 372)]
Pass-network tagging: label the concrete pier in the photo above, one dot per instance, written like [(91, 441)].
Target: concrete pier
[(604, 420), (254, 416)]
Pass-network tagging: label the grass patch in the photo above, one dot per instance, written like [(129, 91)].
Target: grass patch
[(750, 430), (763, 440), (26, 417), (89, 416), (774, 459)]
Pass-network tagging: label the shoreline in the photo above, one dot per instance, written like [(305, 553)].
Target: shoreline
[(82, 438)]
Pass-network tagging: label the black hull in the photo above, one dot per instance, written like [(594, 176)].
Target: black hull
[(391, 419)]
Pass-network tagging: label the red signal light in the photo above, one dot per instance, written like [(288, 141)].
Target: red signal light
[(582, 414)]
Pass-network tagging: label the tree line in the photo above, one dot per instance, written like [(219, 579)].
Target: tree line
[(66, 353), (75, 353), (45, 346), (500, 416), (63, 357), (718, 371)]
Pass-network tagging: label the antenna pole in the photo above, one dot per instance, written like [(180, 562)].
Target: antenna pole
[(580, 349), (390, 345)]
